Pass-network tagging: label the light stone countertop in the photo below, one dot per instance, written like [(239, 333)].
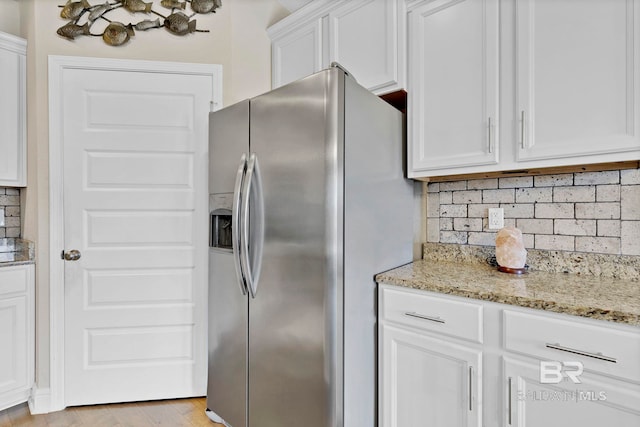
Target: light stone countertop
[(595, 296), (16, 252)]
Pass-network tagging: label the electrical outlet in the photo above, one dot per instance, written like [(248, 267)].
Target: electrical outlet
[(496, 218)]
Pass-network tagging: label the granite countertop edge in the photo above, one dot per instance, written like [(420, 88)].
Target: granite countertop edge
[(16, 251), (417, 278), (14, 263)]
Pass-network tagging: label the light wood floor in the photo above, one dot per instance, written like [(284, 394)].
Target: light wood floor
[(170, 413)]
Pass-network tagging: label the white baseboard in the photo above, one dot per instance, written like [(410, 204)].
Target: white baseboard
[(40, 401), (13, 398)]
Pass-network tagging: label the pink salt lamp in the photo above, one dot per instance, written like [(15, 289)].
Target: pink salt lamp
[(510, 251)]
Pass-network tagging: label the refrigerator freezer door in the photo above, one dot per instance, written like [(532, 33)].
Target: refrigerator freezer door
[(295, 319), (228, 315), (228, 140), (228, 307)]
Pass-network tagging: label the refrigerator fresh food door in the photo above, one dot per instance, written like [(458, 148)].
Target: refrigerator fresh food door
[(228, 307), (295, 332)]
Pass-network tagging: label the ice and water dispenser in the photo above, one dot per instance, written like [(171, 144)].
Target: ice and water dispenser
[(220, 228)]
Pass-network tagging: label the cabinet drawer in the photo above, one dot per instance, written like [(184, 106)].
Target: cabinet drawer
[(430, 313), (13, 280), (611, 350)]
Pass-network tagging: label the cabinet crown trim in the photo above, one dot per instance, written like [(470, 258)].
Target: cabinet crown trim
[(312, 10), (13, 43)]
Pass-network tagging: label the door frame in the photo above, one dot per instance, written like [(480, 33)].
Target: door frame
[(55, 400)]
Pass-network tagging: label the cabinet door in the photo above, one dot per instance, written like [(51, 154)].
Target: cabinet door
[(453, 76), (297, 53), (16, 334), (427, 382), (367, 38), (12, 111), (595, 402), (577, 82)]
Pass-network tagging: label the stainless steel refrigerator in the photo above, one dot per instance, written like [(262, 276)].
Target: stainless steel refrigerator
[(308, 202)]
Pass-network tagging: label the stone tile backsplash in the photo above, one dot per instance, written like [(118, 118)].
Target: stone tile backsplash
[(583, 212), (9, 212)]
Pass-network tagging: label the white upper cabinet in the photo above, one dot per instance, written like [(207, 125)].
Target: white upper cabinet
[(577, 83), (12, 111), (366, 37), (563, 74), (453, 79), (297, 54)]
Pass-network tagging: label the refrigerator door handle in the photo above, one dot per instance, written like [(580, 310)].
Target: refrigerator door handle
[(252, 264), (236, 213)]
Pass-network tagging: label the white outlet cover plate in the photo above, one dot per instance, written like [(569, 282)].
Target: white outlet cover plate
[(496, 218)]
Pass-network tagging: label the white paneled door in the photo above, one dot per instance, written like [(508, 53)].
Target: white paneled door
[(134, 146)]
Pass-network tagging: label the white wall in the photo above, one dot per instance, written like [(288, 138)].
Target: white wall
[(237, 40), (10, 17)]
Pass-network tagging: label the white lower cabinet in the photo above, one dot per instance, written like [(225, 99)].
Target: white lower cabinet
[(533, 401), (428, 381), (448, 361), (427, 377), (16, 334)]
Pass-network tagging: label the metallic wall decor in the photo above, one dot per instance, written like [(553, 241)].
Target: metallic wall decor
[(82, 16)]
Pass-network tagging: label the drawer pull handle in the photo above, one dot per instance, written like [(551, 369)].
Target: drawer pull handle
[(598, 356), (471, 388), (522, 135), (489, 137), (509, 401), (422, 316)]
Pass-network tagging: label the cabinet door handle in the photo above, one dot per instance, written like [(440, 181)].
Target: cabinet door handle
[(490, 143), (522, 120), (424, 317), (598, 356), (471, 388), (509, 402)]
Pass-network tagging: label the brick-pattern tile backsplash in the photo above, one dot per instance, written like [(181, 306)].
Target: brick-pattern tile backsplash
[(9, 212), (581, 212)]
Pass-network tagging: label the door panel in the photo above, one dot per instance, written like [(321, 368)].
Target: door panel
[(135, 199), (293, 320)]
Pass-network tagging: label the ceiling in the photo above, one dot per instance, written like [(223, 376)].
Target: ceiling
[(293, 5)]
